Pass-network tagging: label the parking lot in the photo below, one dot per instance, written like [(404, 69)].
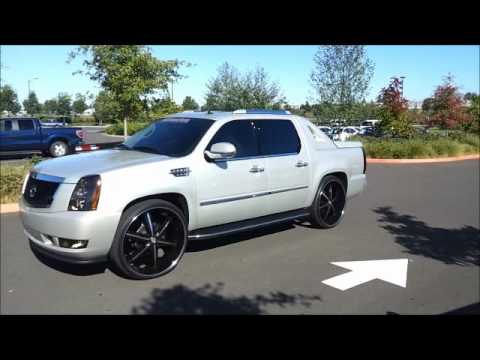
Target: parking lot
[(426, 213)]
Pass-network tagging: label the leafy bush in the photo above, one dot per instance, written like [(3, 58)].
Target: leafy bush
[(420, 147), (132, 128), (11, 181)]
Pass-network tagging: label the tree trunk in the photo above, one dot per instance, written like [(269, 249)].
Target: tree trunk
[(125, 132)]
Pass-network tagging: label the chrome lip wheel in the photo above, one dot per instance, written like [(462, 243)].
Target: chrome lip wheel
[(331, 203), (154, 242)]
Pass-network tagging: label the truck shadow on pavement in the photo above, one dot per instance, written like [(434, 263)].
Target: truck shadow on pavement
[(193, 246), (451, 246), (208, 300)]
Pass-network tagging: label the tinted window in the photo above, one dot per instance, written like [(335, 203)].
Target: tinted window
[(241, 134), (172, 136), (277, 137), (25, 125), (6, 125)]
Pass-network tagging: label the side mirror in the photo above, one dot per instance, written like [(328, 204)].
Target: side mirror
[(222, 150)]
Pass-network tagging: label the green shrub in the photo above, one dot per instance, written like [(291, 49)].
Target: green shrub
[(428, 146), (132, 128), (11, 181)]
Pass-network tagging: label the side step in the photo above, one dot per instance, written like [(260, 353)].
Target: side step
[(235, 227)]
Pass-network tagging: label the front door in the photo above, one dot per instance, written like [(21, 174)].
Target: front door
[(234, 189), (286, 164)]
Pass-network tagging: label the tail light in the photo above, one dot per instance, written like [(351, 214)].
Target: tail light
[(80, 133)]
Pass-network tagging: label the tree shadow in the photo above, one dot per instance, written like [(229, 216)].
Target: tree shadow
[(451, 246), (208, 300)]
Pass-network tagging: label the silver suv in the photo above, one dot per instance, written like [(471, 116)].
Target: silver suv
[(187, 177)]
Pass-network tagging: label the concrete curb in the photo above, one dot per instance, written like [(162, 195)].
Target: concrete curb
[(8, 208), (422, 161)]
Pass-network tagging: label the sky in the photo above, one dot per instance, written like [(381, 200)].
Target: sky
[(424, 67)]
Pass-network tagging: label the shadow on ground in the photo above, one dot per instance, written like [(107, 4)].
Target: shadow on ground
[(208, 300), (207, 244), (451, 246), (72, 269)]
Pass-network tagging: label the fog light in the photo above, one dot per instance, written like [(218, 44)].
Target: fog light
[(72, 244)]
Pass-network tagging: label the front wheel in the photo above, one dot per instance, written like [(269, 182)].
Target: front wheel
[(151, 239), (328, 206)]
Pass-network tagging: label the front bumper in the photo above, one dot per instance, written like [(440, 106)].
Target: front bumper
[(95, 227)]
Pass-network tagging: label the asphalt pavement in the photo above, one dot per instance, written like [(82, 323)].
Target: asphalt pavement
[(426, 213)]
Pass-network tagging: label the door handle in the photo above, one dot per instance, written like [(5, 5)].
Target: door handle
[(256, 169), (301, 164)]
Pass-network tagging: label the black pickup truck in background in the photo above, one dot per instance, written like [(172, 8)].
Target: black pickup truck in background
[(27, 136)]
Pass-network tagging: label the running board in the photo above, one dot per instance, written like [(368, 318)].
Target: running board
[(235, 227)]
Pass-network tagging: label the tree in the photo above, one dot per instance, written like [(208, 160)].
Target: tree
[(31, 104), (341, 76), (189, 104), (129, 73), (163, 106), (474, 112), (50, 106), (230, 90), (107, 110), (64, 104), (9, 100), (448, 106), (469, 96), (80, 104), (394, 110)]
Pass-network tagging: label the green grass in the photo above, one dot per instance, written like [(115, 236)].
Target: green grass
[(430, 146)]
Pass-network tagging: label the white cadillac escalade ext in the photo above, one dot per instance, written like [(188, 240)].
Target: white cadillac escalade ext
[(189, 176)]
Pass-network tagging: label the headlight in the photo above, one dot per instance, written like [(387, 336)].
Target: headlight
[(86, 194)]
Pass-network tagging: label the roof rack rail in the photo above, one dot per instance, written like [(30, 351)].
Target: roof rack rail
[(262, 111)]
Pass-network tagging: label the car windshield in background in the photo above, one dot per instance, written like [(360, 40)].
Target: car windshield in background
[(173, 137)]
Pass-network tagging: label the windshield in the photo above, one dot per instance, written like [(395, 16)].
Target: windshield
[(173, 137)]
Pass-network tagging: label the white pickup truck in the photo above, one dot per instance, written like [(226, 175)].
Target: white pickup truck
[(189, 176)]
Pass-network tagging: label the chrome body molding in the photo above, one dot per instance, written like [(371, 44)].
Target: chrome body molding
[(250, 196)]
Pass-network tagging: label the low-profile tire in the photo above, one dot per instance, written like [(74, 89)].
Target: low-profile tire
[(58, 148), (329, 203), (150, 240)]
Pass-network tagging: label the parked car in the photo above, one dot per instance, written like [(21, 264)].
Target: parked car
[(327, 130), (27, 135), (371, 123), (343, 133), (189, 177)]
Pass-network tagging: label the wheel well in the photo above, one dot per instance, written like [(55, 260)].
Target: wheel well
[(174, 198), (57, 139), (342, 176)]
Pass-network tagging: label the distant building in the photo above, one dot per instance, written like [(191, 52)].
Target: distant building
[(89, 112)]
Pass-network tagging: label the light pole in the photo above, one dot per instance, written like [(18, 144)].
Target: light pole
[(30, 80)]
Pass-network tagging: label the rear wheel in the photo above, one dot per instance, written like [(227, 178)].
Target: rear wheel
[(58, 148), (328, 206), (150, 240)]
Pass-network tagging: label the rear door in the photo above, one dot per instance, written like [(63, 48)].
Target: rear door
[(286, 164)]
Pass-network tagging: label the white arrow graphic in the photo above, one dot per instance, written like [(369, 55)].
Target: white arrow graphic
[(393, 271)]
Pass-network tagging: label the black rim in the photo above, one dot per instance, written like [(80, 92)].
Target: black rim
[(154, 241), (331, 203)]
